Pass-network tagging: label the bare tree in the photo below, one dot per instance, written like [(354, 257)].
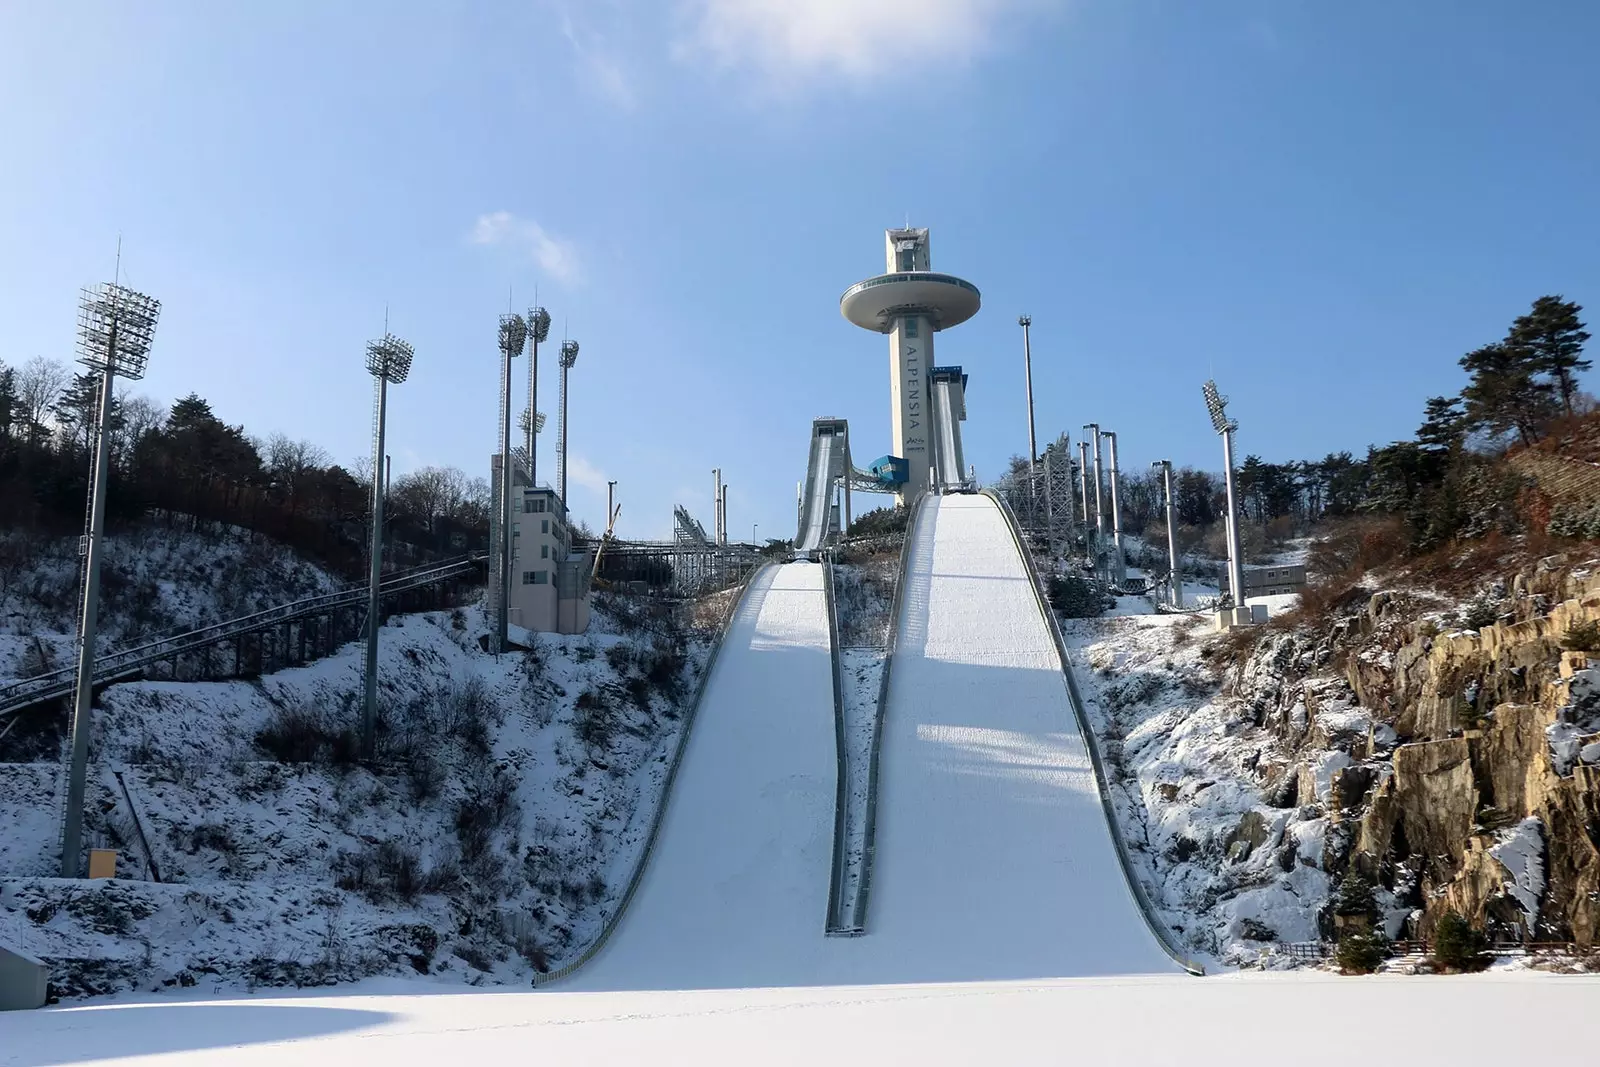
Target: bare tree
[(39, 384), (434, 493), (288, 462)]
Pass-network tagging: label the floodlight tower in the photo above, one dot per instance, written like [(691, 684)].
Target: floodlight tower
[(569, 356), (1174, 579), (1217, 406), (910, 303), (538, 331), (388, 361), (513, 335), (116, 327), (1120, 564)]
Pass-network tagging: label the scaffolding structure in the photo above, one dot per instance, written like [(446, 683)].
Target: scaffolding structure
[(1056, 475), (691, 564)]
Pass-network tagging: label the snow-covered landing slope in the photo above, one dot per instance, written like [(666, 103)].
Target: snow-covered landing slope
[(994, 860), (736, 891)]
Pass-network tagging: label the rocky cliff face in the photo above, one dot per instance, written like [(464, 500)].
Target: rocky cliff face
[(1476, 787)]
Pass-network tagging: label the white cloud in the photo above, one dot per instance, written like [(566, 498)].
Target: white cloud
[(599, 69), (581, 472), (790, 41), (557, 258)]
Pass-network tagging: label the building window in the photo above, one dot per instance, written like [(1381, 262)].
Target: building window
[(527, 507), (910, 329), (544, 551), (544, 525), (535, 577), (908, 258)]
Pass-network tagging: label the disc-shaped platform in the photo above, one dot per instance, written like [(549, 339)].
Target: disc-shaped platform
[(875, 303)]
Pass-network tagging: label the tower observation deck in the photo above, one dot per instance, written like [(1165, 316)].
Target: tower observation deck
[(910, 303)]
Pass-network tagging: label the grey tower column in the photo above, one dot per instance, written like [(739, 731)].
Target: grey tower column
[(1083, 491), (1175, 578), (1235, 557), (1120, 564)]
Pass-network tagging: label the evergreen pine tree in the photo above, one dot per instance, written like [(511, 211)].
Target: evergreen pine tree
[(1553, 337), (1457, 946), (1505, 393), (1443, 425), (1355, 896)]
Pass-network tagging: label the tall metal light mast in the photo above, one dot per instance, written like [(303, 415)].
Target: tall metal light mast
[(569, 356), (538, 332), (1026, 321), (388, 361), (116, 327), (1174, 579), (513, 335), (1217, 406)]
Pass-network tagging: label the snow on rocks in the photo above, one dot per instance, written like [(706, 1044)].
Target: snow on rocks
[(1520, 850), (1199, 785)]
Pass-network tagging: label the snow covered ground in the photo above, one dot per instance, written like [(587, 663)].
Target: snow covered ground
[(505, 817), (1155, 1021), (155, 581)]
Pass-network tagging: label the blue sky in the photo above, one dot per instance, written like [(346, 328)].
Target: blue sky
[(1323, 205)]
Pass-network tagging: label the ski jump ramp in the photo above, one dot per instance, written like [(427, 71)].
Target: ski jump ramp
[(736, 892), (825, 466), (993, 857)]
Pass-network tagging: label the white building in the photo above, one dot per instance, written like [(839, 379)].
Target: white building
[(549, 581)]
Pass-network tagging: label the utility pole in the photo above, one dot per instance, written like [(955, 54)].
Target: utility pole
[(1120, 565), (611, 499), (1174, 579), (116, 327)]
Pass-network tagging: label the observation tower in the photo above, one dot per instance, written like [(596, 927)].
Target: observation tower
[(910, 303)]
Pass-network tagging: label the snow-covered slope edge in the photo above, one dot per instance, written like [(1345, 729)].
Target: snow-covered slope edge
[(663, 797), (1159, 928)]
